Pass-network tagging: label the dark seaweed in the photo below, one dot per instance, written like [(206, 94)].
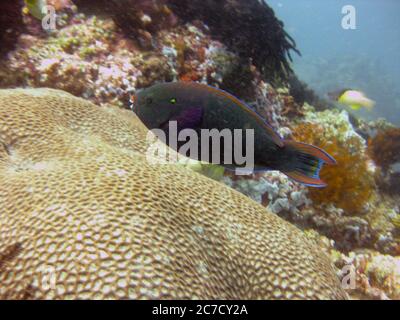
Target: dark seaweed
[(10, 24)]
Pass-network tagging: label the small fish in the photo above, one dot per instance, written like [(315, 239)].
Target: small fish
[(35, 7), (354, 99), (197, 106)]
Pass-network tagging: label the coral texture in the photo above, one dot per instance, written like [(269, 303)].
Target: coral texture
[(138, 19), (384, 148), (84, 215), (365, 273), (103, 51)]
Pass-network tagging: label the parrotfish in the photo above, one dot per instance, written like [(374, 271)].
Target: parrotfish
[(198, 106), (354, 99)]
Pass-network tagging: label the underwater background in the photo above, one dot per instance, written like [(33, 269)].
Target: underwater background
[(65, 160), (366, 58)]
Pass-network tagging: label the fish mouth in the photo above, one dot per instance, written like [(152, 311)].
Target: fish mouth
[(132, 102), (164, 125)]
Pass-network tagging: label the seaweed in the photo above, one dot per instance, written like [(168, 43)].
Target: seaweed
[(238, 78), (301, 93), (11, 24)]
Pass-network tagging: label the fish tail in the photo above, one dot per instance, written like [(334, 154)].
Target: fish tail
[(369, 104), (305, 163)]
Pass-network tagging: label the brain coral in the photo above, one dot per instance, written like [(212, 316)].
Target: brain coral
[(84, 215)]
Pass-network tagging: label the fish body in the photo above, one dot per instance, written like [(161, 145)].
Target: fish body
[(35, 7), (354, 99), (198, 106)]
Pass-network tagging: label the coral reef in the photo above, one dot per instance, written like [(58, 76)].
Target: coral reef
[(249, 28), (350, 183), (350, 210), (383, 272), (274, 105), (274, 190), (384, 148), (118, 227), (356, 215), (103, 51), (87, 58), (235, 23), (191, 54), (138, 19), (365, 274)]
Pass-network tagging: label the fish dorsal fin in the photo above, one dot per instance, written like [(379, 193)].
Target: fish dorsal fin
[(274, 136), (345, 90)]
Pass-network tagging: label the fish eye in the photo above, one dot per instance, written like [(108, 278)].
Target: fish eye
[(149, 100), (172, 100)]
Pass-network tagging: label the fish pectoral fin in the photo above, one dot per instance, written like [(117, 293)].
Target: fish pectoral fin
[(190, 118)]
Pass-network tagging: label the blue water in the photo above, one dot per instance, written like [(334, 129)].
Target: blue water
[(367, 58)]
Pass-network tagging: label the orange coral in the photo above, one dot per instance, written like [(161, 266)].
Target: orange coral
[(350, 185), (181, 50), (384, 148), (190, 76), (186, 71)]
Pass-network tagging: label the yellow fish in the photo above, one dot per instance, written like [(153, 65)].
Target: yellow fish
[(354, 99), (35, 7)]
